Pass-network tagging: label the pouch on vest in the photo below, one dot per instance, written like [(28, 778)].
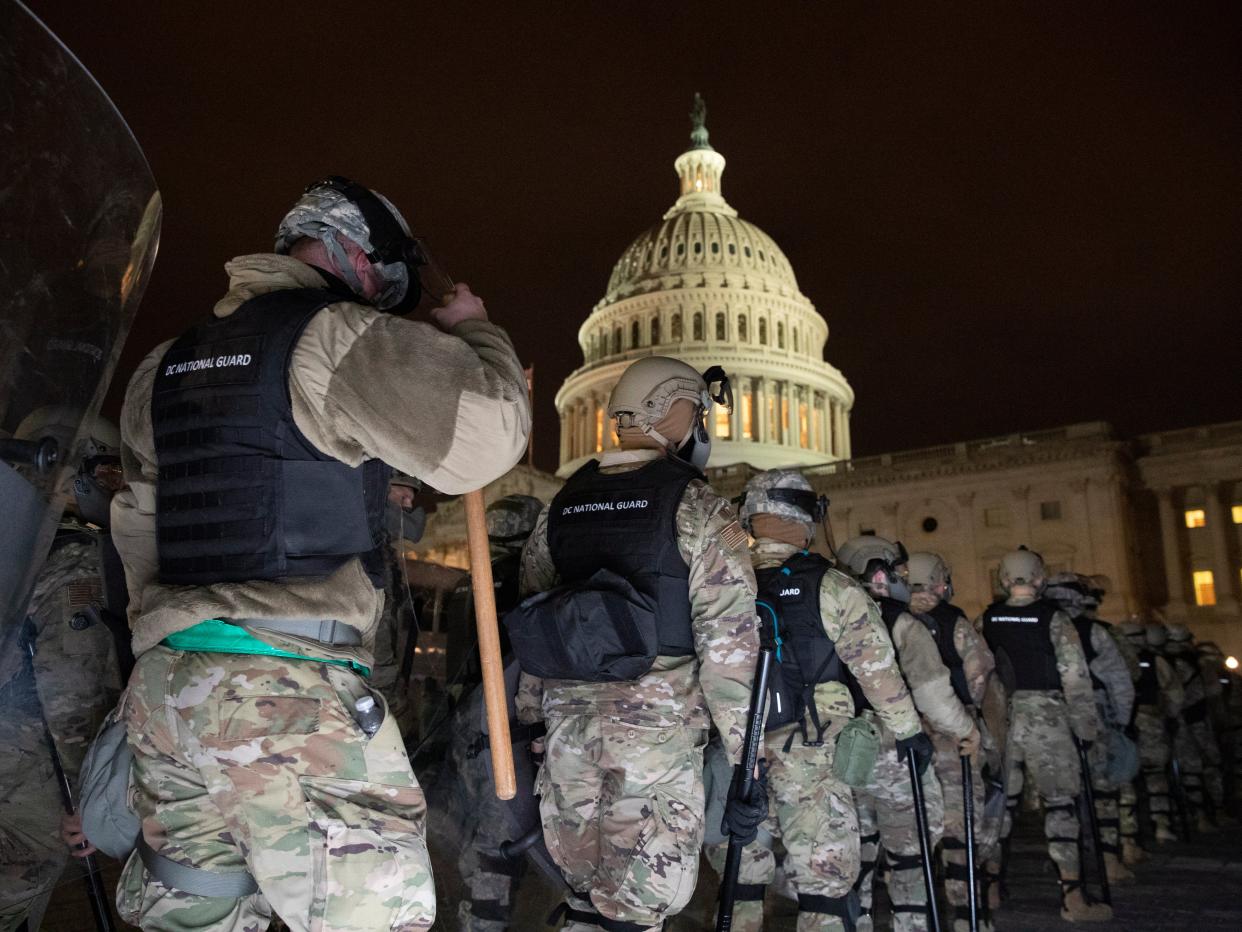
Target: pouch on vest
[(103, 798), (599, 630), (858, 746)]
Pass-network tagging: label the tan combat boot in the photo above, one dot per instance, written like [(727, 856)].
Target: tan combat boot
[(1163, 832), (1075, 908), (1116, 871), (1131, 853)]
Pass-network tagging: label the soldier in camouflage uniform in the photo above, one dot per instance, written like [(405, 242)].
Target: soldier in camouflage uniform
[(258, 448), (1195, 742), (970, 666), (1157, 702), (621, 785), (1131, 852), (1114, 704), (886, 805), (1051, 706), (491, 878), (812, 809), (76, 679)]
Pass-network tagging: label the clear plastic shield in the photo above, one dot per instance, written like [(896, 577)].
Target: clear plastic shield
[(81, 224)]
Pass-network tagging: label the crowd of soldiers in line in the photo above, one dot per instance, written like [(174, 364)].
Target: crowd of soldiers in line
[(261, 756)]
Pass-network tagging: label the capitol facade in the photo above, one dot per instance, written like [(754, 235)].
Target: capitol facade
[(709, 288)]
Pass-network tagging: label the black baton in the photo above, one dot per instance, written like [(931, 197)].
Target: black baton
[(968, 811), (1089, 795), (920, 819)]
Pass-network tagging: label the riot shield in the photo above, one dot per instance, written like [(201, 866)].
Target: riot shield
[(81, 225)]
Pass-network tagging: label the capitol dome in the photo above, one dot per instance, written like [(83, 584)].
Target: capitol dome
[(710, 288)]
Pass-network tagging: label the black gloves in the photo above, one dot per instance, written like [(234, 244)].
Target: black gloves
[(920, 746), (742, 816), (1131, 732)]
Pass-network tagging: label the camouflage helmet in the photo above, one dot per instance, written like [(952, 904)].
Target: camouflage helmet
[(366, 218), (1071, 591), (868, 554), (1180, 638), (61, 422), (1021, 567), (1156, 634), (782, 492), (927, 570), (510, 520)]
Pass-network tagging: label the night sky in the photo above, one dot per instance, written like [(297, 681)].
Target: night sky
[(1010, 219)]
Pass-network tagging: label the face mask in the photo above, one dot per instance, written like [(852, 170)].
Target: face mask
[(898, 588), (404, 525)]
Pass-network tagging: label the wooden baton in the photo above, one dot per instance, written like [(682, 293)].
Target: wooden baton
[(489, 647)]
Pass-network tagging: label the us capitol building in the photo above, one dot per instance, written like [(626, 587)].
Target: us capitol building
[(1159, 514)]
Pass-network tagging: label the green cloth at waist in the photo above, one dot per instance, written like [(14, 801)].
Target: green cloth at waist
[(216, 635)]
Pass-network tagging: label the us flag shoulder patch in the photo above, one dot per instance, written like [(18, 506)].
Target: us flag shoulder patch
[(733, 537)]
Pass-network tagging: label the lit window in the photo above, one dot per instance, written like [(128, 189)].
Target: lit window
[(996, 517), (722, 422), (747, 432), (599, 430), (1237, 514), (1195, 517), (771, 414), (804, 426), (1205, 588), (1050, 511), (784, 415)]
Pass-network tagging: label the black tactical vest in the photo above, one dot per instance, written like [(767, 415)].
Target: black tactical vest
[(1084, 625), (1024, 634), (807, 655), (626, 522), (941, 621), (242, 494), (1147, 687)]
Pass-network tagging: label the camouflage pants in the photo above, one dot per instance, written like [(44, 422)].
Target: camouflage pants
[(489, 876), (948, 764), (622, 810), (1154, 753), (1107, 799), (1191, 761), (252, 762), (1209, 752), (886, 818), (1128, 801), (813, 813), (1041, 745), (32, 855)]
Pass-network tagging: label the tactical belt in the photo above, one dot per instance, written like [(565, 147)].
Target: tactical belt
[(333, 633), (196, 881), (587, 917)]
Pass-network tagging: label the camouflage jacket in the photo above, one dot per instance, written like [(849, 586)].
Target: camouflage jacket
[(450, 409), (711, 687), (1110, 668), (853, 624), (75, 668), (1072, 669), (930, 683)]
